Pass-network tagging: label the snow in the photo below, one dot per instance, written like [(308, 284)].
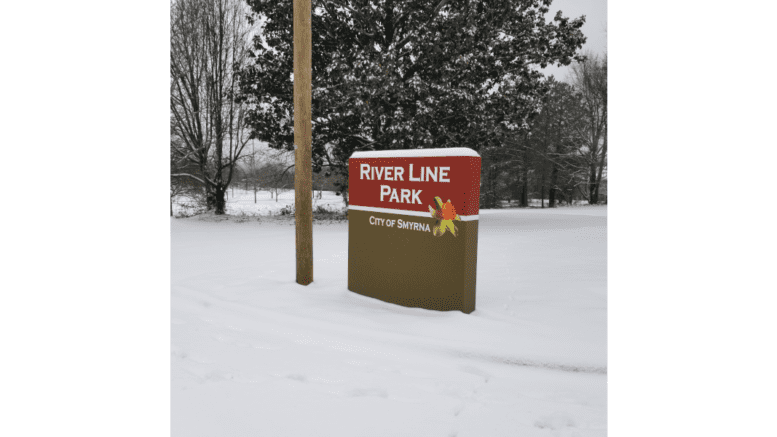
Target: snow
[(417, 153), (240, 201), (465, 218), (254, 353)]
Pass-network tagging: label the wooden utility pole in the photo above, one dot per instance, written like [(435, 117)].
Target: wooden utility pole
[(303, 163)]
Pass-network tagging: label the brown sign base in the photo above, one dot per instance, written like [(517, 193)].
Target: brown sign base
[(408, 265)]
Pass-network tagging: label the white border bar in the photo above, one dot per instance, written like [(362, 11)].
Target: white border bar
[(464, 218), (417, 153)]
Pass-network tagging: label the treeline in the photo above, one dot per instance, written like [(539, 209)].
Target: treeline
[(255, 173), (388, 75), (260, 175), (561, 156)]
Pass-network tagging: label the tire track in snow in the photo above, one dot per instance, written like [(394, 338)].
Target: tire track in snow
[(344, 333), (529, 363)]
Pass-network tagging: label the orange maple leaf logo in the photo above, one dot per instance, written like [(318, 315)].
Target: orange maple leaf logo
[(445, 214)]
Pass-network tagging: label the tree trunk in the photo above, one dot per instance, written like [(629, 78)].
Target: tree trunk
[(489, 188), (602, 162), (494, 196), (171, 207), (553, 182), (592, 198), (219, 199), (525, 189), (254, 194), (210, 199)]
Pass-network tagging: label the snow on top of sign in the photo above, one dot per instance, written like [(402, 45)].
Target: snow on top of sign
[(416, 153)]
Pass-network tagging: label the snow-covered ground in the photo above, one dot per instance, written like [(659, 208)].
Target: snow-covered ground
[(241, 201), (254, 353)]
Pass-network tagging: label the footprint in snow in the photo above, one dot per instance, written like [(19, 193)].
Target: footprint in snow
[(555, 421), (476, 371), (297, 377), (379, 392)]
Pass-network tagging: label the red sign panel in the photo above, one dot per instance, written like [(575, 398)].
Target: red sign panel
[(410, 183)]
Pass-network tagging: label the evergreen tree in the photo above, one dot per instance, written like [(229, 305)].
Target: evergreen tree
[(548, 159), (390, 74)]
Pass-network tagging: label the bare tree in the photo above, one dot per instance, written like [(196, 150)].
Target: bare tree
[(188, 189), (252, 170), (177, 185), (208, 45), (590, 79), (278, 177)]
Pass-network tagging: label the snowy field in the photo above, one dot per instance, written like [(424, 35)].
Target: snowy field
[(255, 354), (241, 201), (265, 203)]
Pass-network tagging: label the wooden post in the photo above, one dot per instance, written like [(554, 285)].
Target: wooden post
[(303, 165)]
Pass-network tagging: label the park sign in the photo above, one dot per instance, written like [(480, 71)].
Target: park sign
[(413, 226)]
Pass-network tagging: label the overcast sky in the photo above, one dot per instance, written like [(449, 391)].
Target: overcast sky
[(595, 27)]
